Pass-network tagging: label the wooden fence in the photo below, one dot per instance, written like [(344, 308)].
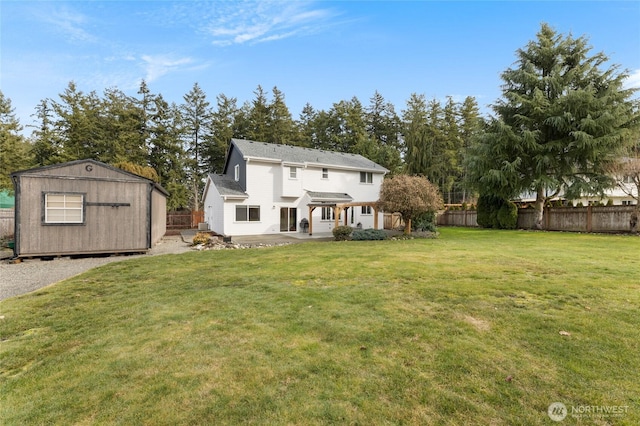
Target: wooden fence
[(573, 219), (184, 220), (393, 221)]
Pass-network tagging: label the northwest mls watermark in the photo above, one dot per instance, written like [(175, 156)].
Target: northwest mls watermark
[(557, 411)]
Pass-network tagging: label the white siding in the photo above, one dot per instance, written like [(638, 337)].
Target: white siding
[(270, 187), (214, 207)]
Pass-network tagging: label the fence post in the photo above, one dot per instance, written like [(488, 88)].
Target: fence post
[(589, 218)]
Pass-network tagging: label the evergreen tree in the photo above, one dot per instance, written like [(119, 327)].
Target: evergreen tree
[(122, 123), (47, 145), (383, 128), (78, 123), (222, 125), (414, 120), (196, 122), (306, 126), (471, 124), (259, 118), (561, 121), (166, 154), (15, 151), (281, 127)]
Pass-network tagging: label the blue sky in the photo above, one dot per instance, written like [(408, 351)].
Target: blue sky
[(320, 52)]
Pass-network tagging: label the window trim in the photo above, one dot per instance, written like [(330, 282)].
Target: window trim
[(45, 209), (327, 214), (366, 177), (236, 172), (248, 208)]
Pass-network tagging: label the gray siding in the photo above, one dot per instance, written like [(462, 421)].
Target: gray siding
[(134, 225)]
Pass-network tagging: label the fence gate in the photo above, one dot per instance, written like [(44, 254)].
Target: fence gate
[(184, 220)]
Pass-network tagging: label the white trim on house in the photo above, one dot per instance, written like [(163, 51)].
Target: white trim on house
[(265, 181)]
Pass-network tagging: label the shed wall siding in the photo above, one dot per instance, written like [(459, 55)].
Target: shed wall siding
[(106, 229), (158, 216)]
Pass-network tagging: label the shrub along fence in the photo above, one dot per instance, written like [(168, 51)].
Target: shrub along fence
[(574, 219)]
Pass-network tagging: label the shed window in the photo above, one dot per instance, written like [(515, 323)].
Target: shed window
[(325, 173), (63, 208), (365, 210), (247, 213), (293, 172)]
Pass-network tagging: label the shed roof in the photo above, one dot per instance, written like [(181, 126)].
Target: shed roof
[(88, 161), (307, 156)]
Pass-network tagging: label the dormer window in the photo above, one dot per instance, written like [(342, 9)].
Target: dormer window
[(236, 172), (293, 172)]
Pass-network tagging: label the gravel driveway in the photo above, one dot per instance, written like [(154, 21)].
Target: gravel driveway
[(32, 274)]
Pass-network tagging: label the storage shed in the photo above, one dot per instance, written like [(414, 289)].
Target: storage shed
[(86, 207)]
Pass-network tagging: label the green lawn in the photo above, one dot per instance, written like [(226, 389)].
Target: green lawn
[(384, 332)]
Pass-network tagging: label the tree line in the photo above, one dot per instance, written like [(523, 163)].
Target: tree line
[(565, 125), (179, 144)]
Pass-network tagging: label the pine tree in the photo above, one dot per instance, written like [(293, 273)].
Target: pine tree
[(259, 117), (196, 127), (383, 127), (562, 120), (281, 127), (15, 151), (222, 125), (47, 145)]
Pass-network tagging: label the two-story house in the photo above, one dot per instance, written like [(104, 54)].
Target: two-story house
[(267, 188)]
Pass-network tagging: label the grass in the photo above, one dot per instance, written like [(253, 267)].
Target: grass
[(464, 329)]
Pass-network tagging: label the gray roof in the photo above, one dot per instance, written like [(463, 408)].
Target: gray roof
[(226, 185), (300, 155), (329, 196)]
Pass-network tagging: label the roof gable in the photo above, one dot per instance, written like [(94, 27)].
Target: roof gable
[(87, 168), (307, 156)]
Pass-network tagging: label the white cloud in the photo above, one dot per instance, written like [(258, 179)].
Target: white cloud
[(633, 81), (68, 22), (256, 22), (160, 65)]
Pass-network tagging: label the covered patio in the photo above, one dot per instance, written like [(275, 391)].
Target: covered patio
[(337, 209)]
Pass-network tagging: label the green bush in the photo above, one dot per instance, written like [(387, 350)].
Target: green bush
[(368, 235), (424, 222), (488, 207), (498, 213), (342, 233), (508, 215)]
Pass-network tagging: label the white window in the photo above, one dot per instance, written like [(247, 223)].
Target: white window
[(247, 213), (325, 173), (63, 208), (365, 210), (327, 213), (627, 202), (293, 172), (236, 172), (366, 177)]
